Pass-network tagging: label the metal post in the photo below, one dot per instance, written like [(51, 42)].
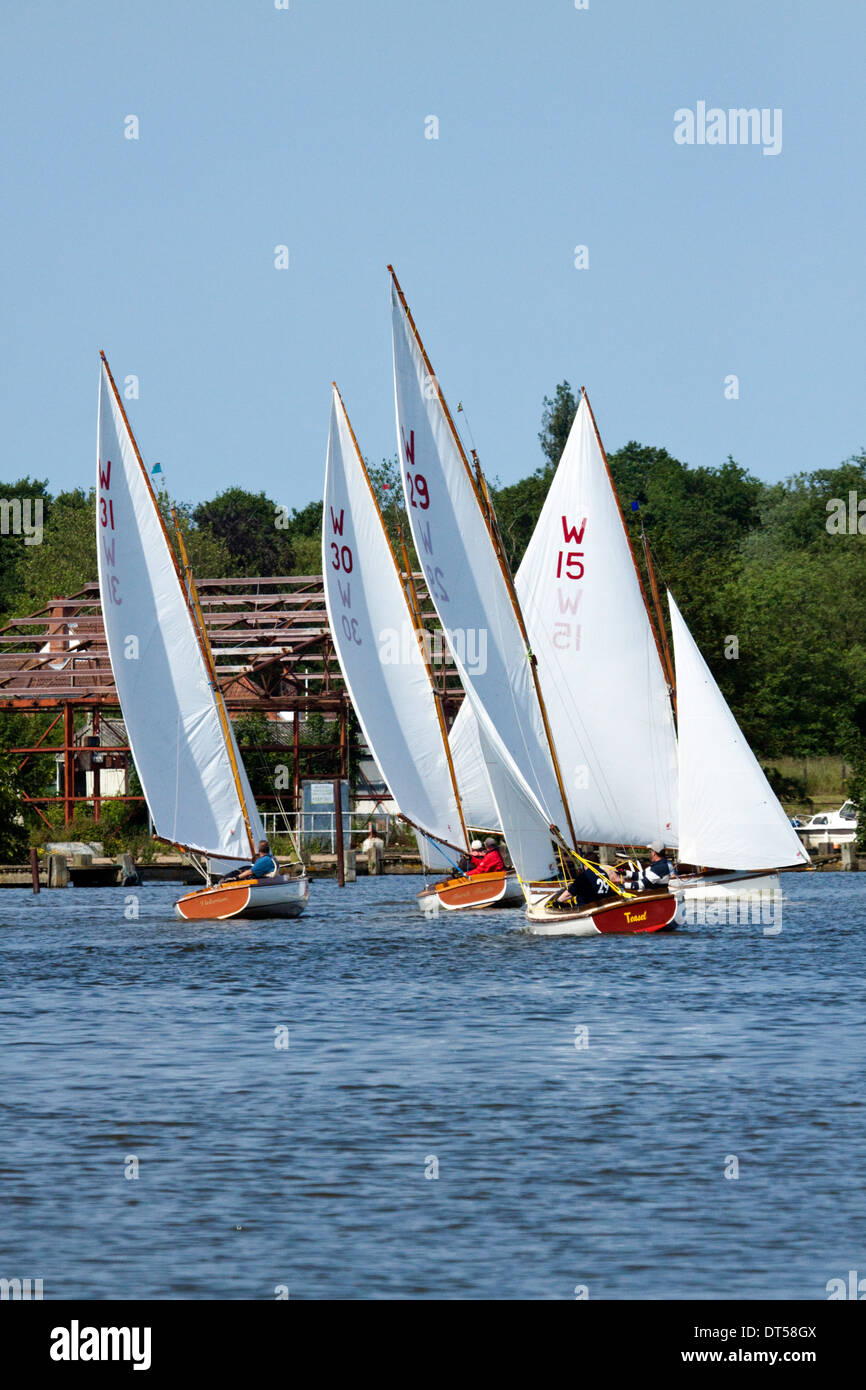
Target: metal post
[(338, 812), (68, 762), (95, 765), (34, 868), (296, 753)]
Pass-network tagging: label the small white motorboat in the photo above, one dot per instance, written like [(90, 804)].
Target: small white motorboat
[(830, 827)]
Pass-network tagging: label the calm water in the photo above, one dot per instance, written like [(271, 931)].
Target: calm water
[(412, 1041)]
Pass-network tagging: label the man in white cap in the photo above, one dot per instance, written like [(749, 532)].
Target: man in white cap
[(655, 874)]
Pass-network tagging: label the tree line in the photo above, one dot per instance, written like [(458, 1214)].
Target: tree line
[(778, 567)]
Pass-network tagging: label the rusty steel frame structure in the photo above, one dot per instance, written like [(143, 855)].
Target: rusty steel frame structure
[(272, 649)]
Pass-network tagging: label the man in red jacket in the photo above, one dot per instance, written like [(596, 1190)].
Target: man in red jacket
[(492, 862)]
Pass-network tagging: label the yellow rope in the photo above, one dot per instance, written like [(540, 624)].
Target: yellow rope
[(596, 868)]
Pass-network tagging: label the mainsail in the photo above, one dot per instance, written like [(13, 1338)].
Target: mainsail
[(601, 676), (377, 643), (729, 816), (181, 739), (464, 572)]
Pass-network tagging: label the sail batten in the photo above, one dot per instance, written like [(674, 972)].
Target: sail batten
[(179, 739)]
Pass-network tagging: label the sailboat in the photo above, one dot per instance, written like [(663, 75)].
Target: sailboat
[(377, 631), (604, 668), (552, 783), (181, 738)]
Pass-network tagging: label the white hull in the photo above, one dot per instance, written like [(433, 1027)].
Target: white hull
[(719, 885), (247, 898)]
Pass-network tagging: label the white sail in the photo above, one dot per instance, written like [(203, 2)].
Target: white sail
[(479, 808), (527, 833), (462, 570), (601, 677), (169, 707), (376, 642), (729, 816)]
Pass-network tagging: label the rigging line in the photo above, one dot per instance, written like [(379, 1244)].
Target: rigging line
[(438, 844)]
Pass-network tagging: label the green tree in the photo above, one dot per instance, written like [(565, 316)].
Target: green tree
[(253, 528), (13, 837), (66, 559), (14, 543)]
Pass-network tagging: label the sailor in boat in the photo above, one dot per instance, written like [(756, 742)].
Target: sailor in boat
[(264, 867), (468, 863), (585, 886), (490, 862), (640, 878)]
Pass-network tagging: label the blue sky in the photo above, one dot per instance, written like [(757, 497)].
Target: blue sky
[(260, 127)]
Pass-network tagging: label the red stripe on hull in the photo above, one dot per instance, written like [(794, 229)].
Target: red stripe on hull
[(636, 916)]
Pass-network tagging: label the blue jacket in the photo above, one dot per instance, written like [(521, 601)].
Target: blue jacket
[(264, 867)]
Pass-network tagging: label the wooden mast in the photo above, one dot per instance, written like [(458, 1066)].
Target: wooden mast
[(482, 497), (408, 588), (654, 588), (196, 615)]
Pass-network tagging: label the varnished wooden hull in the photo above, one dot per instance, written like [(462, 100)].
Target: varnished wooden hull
[(468, 894), (248, 898), (650, 912)]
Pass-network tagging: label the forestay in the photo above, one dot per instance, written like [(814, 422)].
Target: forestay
[(601, 677), (376, 641), (462, 570), (169, 706), (729, 816)]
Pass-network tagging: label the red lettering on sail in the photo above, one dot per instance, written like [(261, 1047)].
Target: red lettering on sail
[(337, 524), (562, 636), (571, 534), (573, 564), (409, 449), (568, 603), (105, 478)]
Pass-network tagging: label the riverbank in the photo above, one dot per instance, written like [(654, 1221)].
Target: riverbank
[(100, 871)]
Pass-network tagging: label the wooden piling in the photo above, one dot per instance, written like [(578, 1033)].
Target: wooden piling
[(58, 871), (34, 868)]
